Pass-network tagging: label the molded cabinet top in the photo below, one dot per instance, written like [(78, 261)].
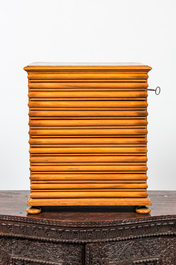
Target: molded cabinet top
[(88, 65)]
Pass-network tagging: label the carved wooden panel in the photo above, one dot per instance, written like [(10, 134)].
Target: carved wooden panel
[(4, 257), (147, 251), (85, 232), (25, 251)]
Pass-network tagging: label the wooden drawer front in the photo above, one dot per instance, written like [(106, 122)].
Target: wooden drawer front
[(88, 136), (146, 251), (14, 251)]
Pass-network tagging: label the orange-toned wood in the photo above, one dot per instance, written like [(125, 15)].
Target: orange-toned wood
[(55, 129), (89, 201), (85, 117), (88, 176), (87, 104), (90, 159), (105, 181), (83, 113), (88, 186), (87, 168), (87, 76), (33, 210), (93, 150), (70, 164), (73, 123), (82, 194), (143, 210), (50, 66), (86, 99), (88, 134), (88, 131), (82, 145), (89, 94), (88, 141), (38, 86)]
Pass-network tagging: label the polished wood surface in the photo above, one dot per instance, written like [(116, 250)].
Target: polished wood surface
[(14, 203), (88, 123)]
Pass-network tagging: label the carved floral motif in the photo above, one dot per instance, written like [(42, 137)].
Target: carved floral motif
[(63, 254), (145, 252), (90, 234)]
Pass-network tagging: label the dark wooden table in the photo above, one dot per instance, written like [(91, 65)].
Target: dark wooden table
[(87, 235)]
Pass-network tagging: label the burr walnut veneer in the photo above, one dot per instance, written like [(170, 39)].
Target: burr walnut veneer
[(88, 135)]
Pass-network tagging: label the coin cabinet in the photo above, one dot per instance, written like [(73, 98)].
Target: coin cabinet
[(88, 135)]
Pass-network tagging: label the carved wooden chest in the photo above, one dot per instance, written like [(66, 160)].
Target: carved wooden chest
[(88, 135)]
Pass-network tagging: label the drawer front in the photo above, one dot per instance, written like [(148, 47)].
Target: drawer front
[(15, 251), (146, 251)]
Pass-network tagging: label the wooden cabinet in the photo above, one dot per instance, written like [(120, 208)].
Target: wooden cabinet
[(88, 135)]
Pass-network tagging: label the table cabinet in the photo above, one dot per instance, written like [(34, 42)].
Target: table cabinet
[(88, 135)]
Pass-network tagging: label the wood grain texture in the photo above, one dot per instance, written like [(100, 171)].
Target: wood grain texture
[(99, 150), (86, 104), (90, 159), (87, 76), (88, 176), (88, 134), (132, 86), (89, 141), (87, 186), (73, 123), (89, 201), (88, 194), (89, 94), (88, 113)]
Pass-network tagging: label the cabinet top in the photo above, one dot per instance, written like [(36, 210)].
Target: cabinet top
[(13, 206), (88, 65)]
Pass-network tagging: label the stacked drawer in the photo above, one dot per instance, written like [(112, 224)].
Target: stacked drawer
[(88, 134)]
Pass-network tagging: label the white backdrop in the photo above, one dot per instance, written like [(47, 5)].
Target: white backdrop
[(87, 31)]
